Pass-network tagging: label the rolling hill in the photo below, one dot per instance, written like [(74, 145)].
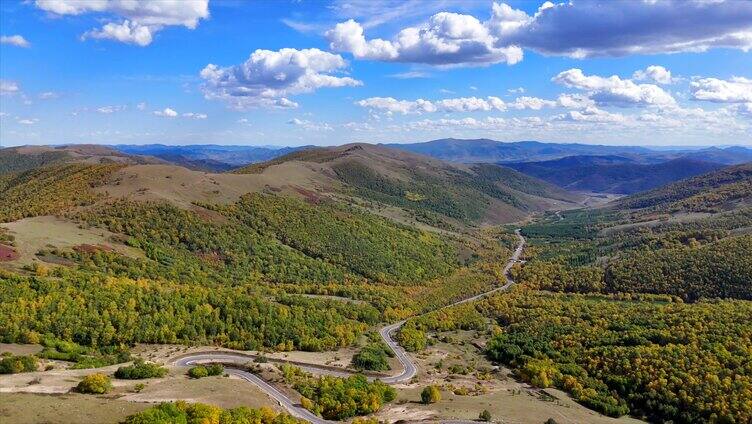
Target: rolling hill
[(612, 174), (433, 191), (24, 158), (724, 189)]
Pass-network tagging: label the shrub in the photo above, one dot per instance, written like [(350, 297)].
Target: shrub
[(16, 364), (215, 369), (140, 370), (430, 394), (484, 415), (94, 384), (199, 371), (182, 412)]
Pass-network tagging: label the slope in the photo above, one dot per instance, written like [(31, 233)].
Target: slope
[(723, 189), (433, 191), (612, 174)]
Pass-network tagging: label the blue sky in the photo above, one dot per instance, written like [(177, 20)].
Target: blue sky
[(315, 72)]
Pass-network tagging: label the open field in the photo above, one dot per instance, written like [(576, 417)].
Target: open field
[(45, 232)]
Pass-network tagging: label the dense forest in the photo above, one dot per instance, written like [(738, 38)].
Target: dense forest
[(199, 413), (50, 190), (338, 398), (622, 354)]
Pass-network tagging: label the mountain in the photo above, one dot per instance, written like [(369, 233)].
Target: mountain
[(484, 150), (22, 158), (723, 189), (733, 155), (433, 191), (213, 158), (612, 174)]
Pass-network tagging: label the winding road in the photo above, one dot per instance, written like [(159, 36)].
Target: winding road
[(409, 368)]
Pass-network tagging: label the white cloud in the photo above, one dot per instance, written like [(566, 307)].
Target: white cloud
[(141, 19), (591, 114), (308, 125), (654, 73), (166, 112), (111, 109), (15, 40), (242, 121), (575, 101), (533, 103), (8, 87), (125, 32), (410, 75), (30, 121), (47, 95), (614, 90), (518, 90), (736, 90), (577, 28), (195, 115), (471, 104), (141, 106), (391, 105), (587, 28), (445, 39), (268, 77)]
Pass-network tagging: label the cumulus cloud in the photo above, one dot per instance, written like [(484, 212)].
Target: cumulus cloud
[(577, 28), (735, 90), (445, 39), (614, 90), (654, 73), (391, 105), (591, 114), (268, 77), (533, 103), (166, 112), (8, 87), (587, 28), (15, 40), (141, 19)]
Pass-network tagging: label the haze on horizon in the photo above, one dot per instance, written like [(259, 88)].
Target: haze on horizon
[(328, 73)]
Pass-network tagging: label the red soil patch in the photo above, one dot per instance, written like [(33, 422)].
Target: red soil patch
[(91, 248), (7, 253), (310, 196)]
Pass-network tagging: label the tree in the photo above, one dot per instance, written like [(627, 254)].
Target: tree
[(430, 394), (94, 384), (484, 415)]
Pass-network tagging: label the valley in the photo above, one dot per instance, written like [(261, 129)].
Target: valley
[(337, 283)]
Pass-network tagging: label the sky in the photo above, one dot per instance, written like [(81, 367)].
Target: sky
[(298, 72)]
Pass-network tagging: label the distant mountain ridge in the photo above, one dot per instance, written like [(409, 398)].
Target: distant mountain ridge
[(208, 157), (491, 151), (612, 174)]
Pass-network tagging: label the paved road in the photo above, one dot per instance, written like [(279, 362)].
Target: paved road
[(409, 368)]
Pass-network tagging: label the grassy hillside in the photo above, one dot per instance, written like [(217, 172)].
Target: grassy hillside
[(709, 192), (432, 190), (612, 174)]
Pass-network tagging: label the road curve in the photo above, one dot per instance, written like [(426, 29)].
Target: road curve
[(409, 368)]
